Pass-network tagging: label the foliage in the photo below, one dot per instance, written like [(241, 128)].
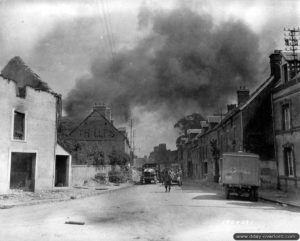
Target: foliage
[(118, 158)]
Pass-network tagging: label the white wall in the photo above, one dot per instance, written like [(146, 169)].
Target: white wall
[(40, 110)]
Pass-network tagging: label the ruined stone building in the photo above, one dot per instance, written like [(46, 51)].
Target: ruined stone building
[(286, 112), (98, 140), (30, 158)]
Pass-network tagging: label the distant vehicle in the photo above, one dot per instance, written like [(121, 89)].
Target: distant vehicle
[(240, 174), (150, 173), (148, 176)]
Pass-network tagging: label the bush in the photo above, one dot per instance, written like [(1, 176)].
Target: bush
[(101, 177), (115, 176)]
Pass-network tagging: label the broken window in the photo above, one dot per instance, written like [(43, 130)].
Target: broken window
[(21, 92), (19, 126)]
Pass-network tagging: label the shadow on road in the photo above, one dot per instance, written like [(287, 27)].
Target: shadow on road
[(208, 197)]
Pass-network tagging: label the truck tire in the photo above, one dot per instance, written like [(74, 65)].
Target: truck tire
[(254, 194), (227, 193)]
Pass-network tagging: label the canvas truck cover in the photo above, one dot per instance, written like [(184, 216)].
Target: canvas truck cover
[(240, 169)]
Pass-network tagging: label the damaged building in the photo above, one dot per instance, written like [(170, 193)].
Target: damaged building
[(95, 141), (30, 158)]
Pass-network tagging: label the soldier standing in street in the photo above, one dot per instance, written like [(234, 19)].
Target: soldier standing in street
[(167, 180)]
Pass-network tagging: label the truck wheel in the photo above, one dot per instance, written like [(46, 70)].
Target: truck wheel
[(254, 194), (227, 193)]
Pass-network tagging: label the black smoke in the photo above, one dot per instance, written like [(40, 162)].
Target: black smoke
[(186, 63)]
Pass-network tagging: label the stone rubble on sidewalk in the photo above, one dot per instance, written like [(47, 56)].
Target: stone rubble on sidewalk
[(22, 198)]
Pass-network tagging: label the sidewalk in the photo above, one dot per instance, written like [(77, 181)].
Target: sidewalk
[(291, 199), (21, 198), (284, 198)]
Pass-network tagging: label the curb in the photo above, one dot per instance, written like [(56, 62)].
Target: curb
[(279, 202), (8, 206)]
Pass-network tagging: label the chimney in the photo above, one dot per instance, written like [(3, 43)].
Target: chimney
[(275, 62), (230, 107), (103, 110), (242, 95)]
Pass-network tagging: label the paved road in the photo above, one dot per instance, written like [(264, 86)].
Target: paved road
[(146, 212)]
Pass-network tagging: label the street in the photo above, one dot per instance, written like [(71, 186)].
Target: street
[(146, 212)]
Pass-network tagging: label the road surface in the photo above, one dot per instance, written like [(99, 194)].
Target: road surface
[(146, 212)]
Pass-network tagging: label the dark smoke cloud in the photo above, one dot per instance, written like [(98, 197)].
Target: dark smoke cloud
[(185, 64)]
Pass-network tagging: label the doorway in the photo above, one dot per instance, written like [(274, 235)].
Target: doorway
[(22, 171), (62, 171)]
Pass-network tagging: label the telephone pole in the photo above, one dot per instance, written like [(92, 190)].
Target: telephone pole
[(291, 41)]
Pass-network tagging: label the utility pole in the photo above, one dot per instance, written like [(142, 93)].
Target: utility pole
[(291, 41)]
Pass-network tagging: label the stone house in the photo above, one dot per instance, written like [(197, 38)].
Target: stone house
[(246, 126), (286, 111), (97, 133), (30, 158)]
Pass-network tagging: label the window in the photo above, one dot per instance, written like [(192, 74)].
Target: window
[(285, 73), (19, 126), (21, 92), (286, 117), (289, 162), (205, 168)]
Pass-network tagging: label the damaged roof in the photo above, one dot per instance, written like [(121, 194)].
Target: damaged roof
[(19, 72)]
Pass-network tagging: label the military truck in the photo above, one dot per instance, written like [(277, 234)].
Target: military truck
[(240, 174), (150, 173)]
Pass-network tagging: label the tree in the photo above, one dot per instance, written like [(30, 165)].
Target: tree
[(118, 158), (192, 121), (215, 151)]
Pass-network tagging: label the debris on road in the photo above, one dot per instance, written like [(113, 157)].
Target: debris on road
[(75, 222)]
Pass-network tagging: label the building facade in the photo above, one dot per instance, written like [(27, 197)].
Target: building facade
[(99, 138), (247, 126), (30, 158), (286, 111)]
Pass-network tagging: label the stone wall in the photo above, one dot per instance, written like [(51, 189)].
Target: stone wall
[(39, 108)]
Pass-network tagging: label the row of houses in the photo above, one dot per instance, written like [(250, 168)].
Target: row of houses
[(30, 112), (266, 122)]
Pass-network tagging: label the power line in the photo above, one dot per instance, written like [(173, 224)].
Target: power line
[(105, 31), (291, 41), (109, 34)]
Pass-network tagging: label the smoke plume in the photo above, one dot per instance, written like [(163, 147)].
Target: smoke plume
[(185, 64)]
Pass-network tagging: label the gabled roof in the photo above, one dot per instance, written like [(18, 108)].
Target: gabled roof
[(109, 122), (241, 107)]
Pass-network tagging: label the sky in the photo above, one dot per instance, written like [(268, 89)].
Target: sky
[(142, 57)]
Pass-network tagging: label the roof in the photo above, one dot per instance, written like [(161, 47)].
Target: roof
[(214, 119), (194, 131), (257, 92), (109, 122), (289, 55), (241, 107), (16, 70)]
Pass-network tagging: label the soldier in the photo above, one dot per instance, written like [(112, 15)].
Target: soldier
[(167, 179)]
